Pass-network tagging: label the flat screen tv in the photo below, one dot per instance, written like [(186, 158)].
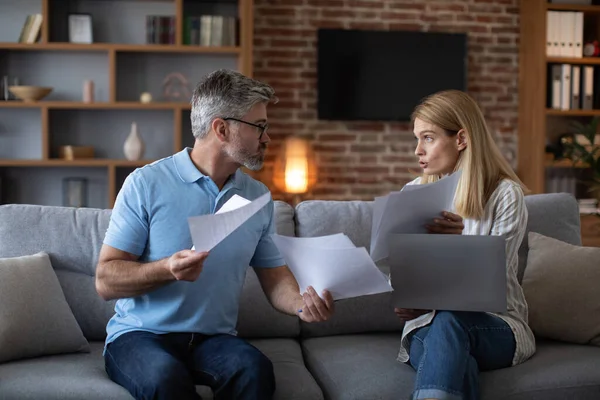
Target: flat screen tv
[(383, 75)]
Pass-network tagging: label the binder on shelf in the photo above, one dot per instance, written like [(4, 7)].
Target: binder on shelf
[(575, 87), (588, 88), (564, 34), (565, 87), (556, 86)]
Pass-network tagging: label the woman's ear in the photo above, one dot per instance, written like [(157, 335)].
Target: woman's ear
[(461, 140)]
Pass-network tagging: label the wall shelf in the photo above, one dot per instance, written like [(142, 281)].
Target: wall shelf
[(91, 162), (123, 63), (166, 48), (74, 105), (572, 7), (572, 113), (574, 60)]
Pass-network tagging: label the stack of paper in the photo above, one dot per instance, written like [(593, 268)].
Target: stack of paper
[(334, 263), (409, 210)]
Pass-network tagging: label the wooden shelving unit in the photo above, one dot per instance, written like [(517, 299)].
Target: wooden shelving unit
[(115, 105), (535, 118), (115, 100)]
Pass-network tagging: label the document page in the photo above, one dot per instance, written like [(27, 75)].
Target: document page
[(409, 210), (333, 263), (209, 230)]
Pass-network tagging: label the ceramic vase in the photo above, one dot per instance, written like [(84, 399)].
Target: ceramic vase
[(134, 146)]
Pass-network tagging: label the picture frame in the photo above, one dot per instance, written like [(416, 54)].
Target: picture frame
[(80, 28)]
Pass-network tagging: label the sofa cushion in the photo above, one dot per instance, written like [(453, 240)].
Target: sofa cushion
[(292, 379), (561, 288), (553, 214), (557, 371), (358, 367), (73, 238), (284, 219), (82, 376), (35, 319)]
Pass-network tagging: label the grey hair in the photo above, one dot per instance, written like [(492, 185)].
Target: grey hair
[(225, 93)]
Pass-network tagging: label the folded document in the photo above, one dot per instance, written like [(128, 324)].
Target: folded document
[(334, 263)]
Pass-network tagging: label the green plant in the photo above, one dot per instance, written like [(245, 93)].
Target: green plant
[(588, 152)]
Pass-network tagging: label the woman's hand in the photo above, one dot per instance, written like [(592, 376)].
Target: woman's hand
[(449, 223), (406, 314)]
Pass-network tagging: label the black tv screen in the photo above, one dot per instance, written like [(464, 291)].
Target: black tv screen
[(383, 75)]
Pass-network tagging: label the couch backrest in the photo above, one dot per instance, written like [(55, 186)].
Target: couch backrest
[(554, 215), (73, 238)]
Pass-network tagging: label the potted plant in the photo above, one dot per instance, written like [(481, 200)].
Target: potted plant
[(584, 148)]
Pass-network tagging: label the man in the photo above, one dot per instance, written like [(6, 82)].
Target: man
[(176, 315)]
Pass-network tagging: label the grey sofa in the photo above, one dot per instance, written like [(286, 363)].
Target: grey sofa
[(352, 356)]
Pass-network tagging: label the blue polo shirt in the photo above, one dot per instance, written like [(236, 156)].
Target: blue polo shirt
[(149, 219)]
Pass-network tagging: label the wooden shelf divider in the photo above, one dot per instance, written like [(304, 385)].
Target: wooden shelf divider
[(149, 48), (45, 133), (572, 7), (113, 105), (82, 162), (574, 60), (45, 34), (112, 76)]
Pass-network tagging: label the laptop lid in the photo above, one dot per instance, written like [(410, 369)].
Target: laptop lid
[(448, 272)]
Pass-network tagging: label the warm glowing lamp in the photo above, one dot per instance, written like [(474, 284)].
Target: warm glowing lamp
[(295, 171)]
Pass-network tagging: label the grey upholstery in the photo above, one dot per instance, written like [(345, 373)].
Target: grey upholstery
[(555, 215), (352, 356)]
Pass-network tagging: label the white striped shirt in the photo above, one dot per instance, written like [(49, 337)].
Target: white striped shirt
[(505, 214)]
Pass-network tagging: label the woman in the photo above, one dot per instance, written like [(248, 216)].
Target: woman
[(448, 349)]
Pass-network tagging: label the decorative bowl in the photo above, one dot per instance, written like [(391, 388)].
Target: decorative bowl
[(30, 93)]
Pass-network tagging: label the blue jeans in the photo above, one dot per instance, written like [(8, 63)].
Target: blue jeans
[(449, 353), (169, 366)]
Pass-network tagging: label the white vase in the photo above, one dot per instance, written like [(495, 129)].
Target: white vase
[(133, 147)]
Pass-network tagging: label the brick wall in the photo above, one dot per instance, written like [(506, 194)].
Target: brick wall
[(360, 160)]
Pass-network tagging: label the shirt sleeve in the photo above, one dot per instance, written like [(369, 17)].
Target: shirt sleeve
[(128, 227), (266, 254), (510, 220)]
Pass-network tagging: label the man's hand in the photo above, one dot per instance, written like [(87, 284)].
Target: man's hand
[(313, 308), (406, 314), (186, 265), (449, 223)]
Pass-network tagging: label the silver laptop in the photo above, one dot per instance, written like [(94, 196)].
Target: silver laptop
[(448, 272)]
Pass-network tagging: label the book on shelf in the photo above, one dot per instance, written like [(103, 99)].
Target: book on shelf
[(160, 29), (31, 29), (210, 30)]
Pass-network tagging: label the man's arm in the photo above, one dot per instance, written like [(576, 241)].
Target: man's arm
[(282, 291), (120, 275)]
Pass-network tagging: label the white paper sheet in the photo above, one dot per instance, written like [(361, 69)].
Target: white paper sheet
[(233, 203), (409, 210), (209, 230), (332, 263)]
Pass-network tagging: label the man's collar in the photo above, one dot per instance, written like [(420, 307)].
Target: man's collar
[(188, 172), (186, 169)]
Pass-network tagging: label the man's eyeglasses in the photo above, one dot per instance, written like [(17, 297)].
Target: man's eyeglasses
[(262, 128)]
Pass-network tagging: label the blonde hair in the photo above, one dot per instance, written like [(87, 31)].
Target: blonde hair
[(483, 165)]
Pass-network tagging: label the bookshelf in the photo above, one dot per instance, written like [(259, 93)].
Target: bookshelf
[(539, 123), (122, 65)]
